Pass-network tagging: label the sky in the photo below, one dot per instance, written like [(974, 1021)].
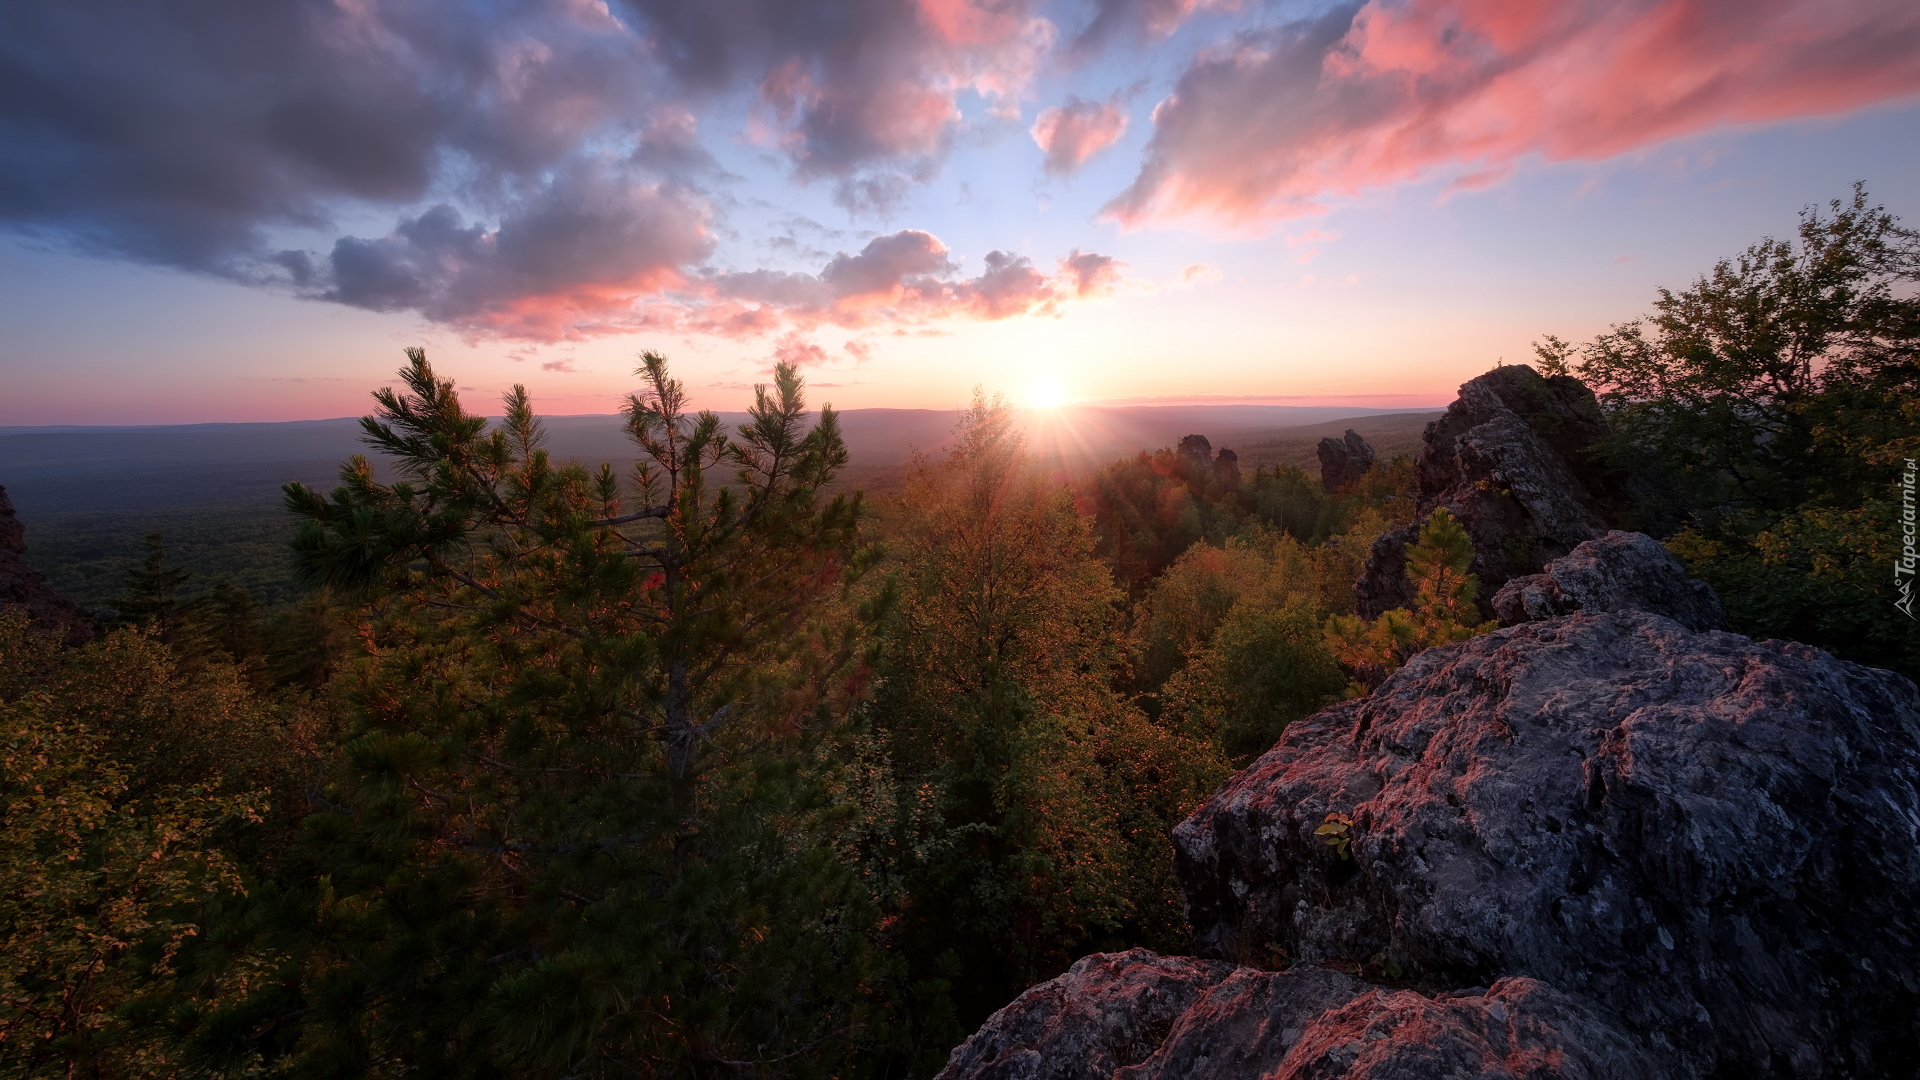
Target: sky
[(230, 210)]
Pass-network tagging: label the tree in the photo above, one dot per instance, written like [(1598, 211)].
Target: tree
[(1444, 608), (132, 792), (580, 826), (1775, 401), (153, 589), (1018, 805), (1746, 383)]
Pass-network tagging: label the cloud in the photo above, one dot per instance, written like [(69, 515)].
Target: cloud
[(848, 84), (193, 134), (1138, 20), (1196, 275), (906, 278), (794, 348), (565, 366), (1071, 134), (176, 134), (592, 239), (1276, 121), (1091, 274)]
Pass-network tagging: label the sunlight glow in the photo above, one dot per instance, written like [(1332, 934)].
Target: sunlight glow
[(1045, 392)]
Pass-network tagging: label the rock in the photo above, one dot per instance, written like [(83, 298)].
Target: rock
[(1343, 461), (1289, 1025), (1197, 452), (1246, 1024), (1710, 843), (47, 607), (1621, 571), (1510, 460), (1226, 468), (1108, 1011)]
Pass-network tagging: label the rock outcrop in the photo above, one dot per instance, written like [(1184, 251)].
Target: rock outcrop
[(1197, 452), (1226, 468), (1108, 1011), (1305, 1022), (47, 607), (1593, 845), (1510, 459), (1621, 571), (1343, 461)]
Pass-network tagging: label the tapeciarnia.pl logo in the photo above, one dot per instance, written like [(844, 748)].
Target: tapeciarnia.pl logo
[(1903, 566)]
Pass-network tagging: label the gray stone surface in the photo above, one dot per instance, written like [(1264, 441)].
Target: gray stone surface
[(1343, 461), (1108, 1011), (1713, 843), (1621, 571), (1304, 1023), (1510, 460)]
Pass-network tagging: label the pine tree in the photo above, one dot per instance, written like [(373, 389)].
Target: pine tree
[(153, 589), (581, 825), (1444, 608)]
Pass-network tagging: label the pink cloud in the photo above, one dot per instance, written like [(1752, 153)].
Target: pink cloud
[(1071, 134), (883, 93), (1275, 122), (907, 279), (795, 348), (1091, 274)]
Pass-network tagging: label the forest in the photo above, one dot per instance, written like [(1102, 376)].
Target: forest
[(700, 764)]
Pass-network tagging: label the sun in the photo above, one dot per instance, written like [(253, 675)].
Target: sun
[(1045, 393)]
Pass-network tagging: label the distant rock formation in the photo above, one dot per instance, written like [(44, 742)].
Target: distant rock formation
[(1197, 452), (47, 608), (1343, 461), (1621, 571), (1226, 468), (1510, 459), (1598, 845)]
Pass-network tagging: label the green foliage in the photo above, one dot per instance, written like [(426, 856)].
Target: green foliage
[(581, 824), (1444, 608), (1264, 668), (1771, 404), (134, 789), (1337, 833), (1017, 810), (1149, 509), (88, 555), (1744, 383)]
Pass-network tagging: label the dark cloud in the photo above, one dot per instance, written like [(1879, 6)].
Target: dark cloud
[(1275, 121), (587, 243), (191, 133), (176, 133)]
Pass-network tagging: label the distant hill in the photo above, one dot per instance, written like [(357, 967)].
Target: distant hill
[(88, 495)]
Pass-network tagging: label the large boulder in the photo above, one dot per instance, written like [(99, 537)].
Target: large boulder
[(1512, 460), (47, 608), (1197, 452), (1621, 571), (1307, 1022), (1343, 461), (1108, 1011), (1712, 843)]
